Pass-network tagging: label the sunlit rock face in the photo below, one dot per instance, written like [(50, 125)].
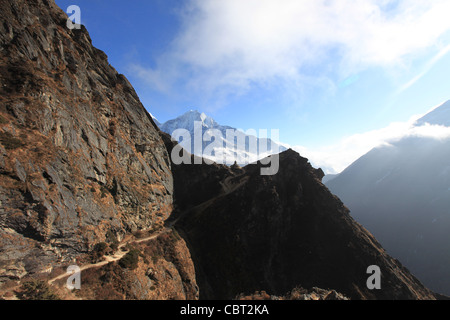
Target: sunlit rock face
[(79, 154)]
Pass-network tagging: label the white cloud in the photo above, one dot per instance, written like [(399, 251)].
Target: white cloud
[(335, 158), (427, 68), (231, 44), (151, 76)]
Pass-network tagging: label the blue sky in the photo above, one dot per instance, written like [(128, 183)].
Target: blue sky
[(328, 74)]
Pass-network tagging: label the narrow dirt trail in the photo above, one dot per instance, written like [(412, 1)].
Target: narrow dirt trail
[(119, 254), (115, 257), (228, 186)]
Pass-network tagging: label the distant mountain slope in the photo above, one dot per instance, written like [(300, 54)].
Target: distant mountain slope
[(439, 116), (401, 193), (329, 177), (241, 154)]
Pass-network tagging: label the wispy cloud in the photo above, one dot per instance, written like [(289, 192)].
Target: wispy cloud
[(159, 80), (430, 64), (335, 158), (228, 46)]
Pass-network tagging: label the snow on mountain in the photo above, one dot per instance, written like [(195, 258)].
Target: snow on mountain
[(155, 120), (220, 143), (186, 121), (438, 116)]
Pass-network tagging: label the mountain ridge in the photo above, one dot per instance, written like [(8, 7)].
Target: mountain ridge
[(248, 232)]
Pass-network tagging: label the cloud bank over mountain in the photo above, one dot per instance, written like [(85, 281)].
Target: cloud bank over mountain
[(335, 158)]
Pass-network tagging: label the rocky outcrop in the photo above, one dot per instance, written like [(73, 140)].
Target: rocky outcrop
[(276, 232), (298, 294), (79, 154)]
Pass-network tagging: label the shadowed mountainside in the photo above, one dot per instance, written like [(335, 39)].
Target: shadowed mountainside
[(401, 193), (248, 232)]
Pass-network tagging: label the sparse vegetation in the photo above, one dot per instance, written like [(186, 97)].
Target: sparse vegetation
[(111, 238), (139, 234), (36, 290), (106, 283), (2, 120), (99, 251), (130, 260), (101, 247), (107, 292)]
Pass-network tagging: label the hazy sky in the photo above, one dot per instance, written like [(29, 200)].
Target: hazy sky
[(335, 77)]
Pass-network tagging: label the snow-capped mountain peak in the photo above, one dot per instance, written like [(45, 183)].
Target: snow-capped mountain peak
[(155, 120), (244, 154), (187, 120)]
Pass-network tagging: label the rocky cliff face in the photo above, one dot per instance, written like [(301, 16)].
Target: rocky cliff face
[(79, 154), (274, 233)]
